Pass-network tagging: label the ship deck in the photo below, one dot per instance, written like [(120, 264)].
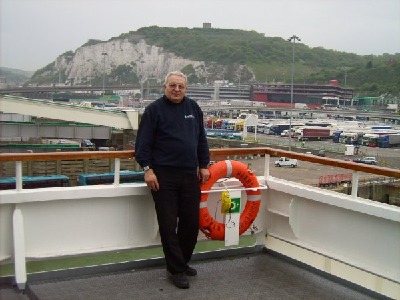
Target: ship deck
[(259, 275), (320, 244)]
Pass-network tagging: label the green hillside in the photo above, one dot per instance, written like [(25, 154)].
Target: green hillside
[(270, 58)]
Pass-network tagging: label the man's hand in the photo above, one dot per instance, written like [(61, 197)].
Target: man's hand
[(151, 180), (204, 175)]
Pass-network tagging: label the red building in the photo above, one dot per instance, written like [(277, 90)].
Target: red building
[(314, 96)]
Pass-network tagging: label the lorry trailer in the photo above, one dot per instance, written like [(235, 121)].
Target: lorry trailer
[(313, 133)]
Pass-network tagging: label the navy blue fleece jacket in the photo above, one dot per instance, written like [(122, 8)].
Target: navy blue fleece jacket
[(172, 135)]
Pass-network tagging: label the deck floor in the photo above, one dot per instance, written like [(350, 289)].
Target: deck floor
[(253, 276)]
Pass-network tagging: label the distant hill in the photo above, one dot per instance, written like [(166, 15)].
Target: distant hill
[(208, 54), (14, 77), (270, 58)]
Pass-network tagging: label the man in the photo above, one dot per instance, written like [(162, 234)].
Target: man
[(172, 149)]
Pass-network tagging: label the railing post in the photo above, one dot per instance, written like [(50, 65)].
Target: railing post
[(266, 165), (18, 175), (19, 249), (354, 184), (117, 165)]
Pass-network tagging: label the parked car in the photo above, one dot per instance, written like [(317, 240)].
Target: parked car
[(369, 160), (284, 161), (87, 144)]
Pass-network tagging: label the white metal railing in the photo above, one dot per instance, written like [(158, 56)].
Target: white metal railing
[(344, 235)]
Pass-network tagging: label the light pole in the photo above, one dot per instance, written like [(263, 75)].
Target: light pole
[(345, 86), (104, 70), (293, 38)]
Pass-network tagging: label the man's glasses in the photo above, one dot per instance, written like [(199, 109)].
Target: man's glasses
[(174, 86)]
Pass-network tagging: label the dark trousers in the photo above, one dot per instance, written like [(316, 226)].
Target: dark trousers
[(177, 207)]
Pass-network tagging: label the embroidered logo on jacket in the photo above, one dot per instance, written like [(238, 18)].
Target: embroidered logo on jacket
[(189, 117)]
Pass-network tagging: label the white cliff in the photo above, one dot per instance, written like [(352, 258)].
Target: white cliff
[(146, 61)]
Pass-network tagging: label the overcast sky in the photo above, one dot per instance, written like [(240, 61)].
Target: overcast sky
[(34, 32)]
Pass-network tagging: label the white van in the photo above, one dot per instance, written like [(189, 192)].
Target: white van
[(285, 161)]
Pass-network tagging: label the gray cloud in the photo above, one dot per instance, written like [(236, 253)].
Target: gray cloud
[(35, 32)]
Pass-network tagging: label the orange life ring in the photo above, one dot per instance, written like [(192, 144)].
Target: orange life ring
[(230, 168)]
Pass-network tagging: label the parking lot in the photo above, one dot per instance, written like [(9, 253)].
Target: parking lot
[(309, 173)]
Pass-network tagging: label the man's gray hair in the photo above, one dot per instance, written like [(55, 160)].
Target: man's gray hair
[(175, 73)]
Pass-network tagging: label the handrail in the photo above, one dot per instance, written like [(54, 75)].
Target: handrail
[(65, 155), (384, 171)]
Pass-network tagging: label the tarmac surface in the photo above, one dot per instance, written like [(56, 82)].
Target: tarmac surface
[(309, 173)]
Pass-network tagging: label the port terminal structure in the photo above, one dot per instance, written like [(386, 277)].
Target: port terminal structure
[(122, 119), (127, 117)]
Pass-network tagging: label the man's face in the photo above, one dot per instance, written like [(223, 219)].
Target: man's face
[(175, 88)]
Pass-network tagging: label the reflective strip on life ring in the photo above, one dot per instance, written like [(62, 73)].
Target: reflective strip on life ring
[(230, 168)]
